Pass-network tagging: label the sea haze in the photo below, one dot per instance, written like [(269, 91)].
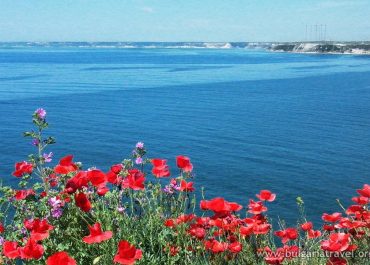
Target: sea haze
[(297, 124)]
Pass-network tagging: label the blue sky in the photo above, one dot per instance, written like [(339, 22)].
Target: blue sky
[(181, 20)]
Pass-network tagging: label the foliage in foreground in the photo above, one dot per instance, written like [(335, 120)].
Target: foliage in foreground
[(67, 215)]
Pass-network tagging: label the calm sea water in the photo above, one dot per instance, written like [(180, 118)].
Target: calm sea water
[(296, 124)]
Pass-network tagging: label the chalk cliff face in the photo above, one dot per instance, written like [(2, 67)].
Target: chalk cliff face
[(322, 47)]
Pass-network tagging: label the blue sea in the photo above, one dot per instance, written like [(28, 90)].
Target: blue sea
[(296, 124)]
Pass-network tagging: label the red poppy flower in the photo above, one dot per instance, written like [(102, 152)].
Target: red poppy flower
[(361, 200), (160, 168), (220, 206), (314, 233), (11, 249), (78, 182), (60, 258), (97, 177), (97, 235), (337, 242), (261, 229), (66, 165), (246, 230), (215, 246), (354, 209), (197, 232), (22, 168), (135, 180), (169, 223), (307, 226), (183, 162), (102, 190), (365, 191), (83, 202), (235, 247), (23, 194), (112, 175), (336, 261), (256, 207), (266, 195), (39, 228), (287, 234), (2, 229), (328, 227), (186, 186), (331, 218), (32, 250), (127, 254)]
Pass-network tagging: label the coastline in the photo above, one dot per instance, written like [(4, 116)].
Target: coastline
[(351, 48)]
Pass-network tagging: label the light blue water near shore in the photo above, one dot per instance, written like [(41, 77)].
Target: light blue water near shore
[(296, 124)]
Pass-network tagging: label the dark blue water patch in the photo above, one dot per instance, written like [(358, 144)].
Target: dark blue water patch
[(198, 68), (313, 67), (305, 137), (24, 77), (123, 68)]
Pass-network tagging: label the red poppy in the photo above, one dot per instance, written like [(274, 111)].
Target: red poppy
[(169, 223), (313, 233), (331, 218), (32, 250), (183, 162), (160, 168), (97, 235), (2, 229), (235, 247), (361, 200), (39, 228), (337, 242), (186, 186), (78, 182), (336, 261), (22, 168), (127, 254), (307, 226), (261, 229), (197, 232), (102, 190), (60, 258), (135, 180), (112, 175), (220, 206), (215, 246), (66, 165), (365, 191), (83, 202), (246, 230), (287, 234), (23, 194), (266, 195), (11, 249), (354, 209), (97, 177), (256, 207)]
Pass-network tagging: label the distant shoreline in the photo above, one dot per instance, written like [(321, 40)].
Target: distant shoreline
[(310, 47)]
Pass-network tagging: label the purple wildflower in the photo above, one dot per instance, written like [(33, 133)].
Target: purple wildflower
[(41, 113), (1, 240), (140, 145), (48, 157), (57, 212), (138, 161), (120, 209), (54, 202), (35, 142)]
